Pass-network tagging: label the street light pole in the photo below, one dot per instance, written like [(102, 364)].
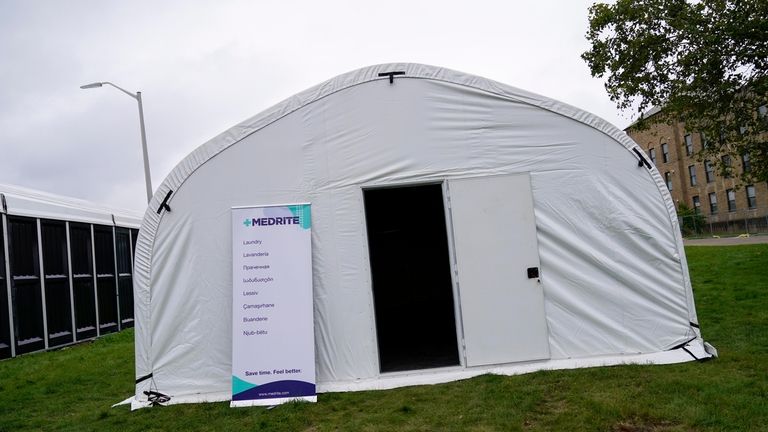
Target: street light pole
[(137, 96), (147, 178)]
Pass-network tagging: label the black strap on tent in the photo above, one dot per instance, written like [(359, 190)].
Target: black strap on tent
[(694, 325), (682, 347), (682, 344), (5, 204), (642, 160), (691, 354), (144, 378), (391, 75), (164, 204), (156, 398)]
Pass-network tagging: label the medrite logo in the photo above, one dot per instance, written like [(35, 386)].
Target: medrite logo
[(266, 221)]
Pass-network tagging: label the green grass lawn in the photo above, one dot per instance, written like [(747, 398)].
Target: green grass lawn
[(72, 389)]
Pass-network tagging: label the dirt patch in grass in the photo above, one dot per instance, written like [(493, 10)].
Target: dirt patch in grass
[(646, 425)]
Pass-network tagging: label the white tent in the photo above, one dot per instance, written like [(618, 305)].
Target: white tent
[(21, 201), (65, 270), (543, 238)]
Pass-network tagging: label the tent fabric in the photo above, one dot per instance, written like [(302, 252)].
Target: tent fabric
[(614, 273), (19, 201)]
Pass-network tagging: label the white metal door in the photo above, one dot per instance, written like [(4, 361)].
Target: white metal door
[(502, 308)]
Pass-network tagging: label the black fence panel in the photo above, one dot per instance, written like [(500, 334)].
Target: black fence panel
[(5, 325), (106, 279), (82, 280), (25, 284), (123, 251), (125, 285), (56, 273), (71, 280), (134, 237), (124, 275)]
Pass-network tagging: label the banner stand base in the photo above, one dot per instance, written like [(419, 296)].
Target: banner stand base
[(271, 402)]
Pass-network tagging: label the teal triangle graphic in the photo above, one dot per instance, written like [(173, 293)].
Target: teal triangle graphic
[(304, 212), (239, 385)]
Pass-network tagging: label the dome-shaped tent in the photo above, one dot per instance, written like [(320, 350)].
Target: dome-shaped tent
[(459, 227)]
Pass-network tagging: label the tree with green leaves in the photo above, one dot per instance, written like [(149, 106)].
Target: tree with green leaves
[(703, 62), (691, 221)]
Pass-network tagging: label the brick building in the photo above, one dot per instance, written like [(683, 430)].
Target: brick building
[(726, 204)]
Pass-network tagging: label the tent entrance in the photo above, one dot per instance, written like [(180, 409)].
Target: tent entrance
[(411, 277)]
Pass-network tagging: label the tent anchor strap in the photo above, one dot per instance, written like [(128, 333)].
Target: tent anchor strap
[(682, 346), (391, 75), (156, 398), (164, 204), (642, 161), (691, 354), (678, 346), (143, 378)]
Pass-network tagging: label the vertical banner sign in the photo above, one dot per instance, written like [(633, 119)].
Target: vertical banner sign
[(273, 346)]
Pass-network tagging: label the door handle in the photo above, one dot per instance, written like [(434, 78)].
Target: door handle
[(533, 272)]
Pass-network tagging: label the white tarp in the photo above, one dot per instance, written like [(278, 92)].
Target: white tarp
[(614, 275)]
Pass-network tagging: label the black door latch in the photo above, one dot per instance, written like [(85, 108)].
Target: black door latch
[(533, 272)]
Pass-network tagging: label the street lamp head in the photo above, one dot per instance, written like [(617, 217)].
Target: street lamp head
[(91, 85)]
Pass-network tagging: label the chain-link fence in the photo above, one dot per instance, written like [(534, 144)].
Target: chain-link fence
[(729, 223)]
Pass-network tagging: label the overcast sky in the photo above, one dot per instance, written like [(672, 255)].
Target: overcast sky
[(203, 66)]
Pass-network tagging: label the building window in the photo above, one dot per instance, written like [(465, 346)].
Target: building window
[(713, 203), (692, 174), (668, 180), (696, 204), (745, 162), (751, 197), (652, 155), (731, 199), (665, 152), (726, 166), (710, 171), (688, 145), (704, 141)]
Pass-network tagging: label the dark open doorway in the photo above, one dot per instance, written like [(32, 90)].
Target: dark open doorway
[(411, 275)]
